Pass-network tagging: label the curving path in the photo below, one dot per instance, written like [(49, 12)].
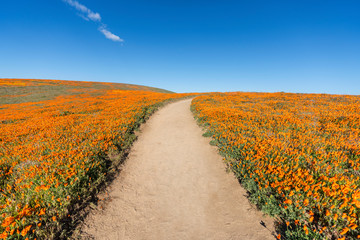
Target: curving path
[(174, 186)]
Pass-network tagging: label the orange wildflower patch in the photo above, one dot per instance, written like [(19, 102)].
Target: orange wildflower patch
[(54, 152), (297, 154)]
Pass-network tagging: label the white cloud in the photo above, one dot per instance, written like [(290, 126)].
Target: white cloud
[(89, 14), (110, 35), (94, 16)]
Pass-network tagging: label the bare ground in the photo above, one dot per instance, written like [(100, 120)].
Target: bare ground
[(174, 186)]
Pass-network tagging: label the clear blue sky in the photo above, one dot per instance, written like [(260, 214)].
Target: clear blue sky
[(186, 45)]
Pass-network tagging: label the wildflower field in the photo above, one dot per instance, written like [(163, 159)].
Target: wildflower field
[(296, 154), (55, 152)]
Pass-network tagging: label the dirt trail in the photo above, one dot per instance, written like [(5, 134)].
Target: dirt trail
[(174, 186)]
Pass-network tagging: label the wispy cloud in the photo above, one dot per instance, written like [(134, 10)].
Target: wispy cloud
[(84, 10), (88, 15), (110, 35)]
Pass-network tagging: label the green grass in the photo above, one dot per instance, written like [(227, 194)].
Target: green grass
[(41, 90)]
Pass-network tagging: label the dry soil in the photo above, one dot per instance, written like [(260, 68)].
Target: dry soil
[(174, 185)]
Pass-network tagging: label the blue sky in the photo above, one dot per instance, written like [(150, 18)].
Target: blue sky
[(186, 46)]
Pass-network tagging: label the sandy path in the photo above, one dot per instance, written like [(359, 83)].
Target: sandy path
[(174, 186)]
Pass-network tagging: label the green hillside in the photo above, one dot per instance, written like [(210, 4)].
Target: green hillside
[(34, 90)]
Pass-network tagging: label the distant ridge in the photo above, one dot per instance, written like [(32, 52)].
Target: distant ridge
[(13, 90)]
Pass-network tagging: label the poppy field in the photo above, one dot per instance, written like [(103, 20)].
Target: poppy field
[(55, 152), (296, 154)]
